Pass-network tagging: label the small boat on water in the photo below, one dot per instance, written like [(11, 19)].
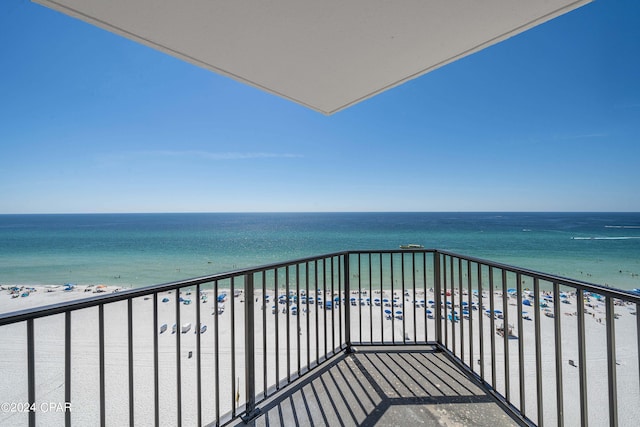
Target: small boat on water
[(163, 328), (411, 246)]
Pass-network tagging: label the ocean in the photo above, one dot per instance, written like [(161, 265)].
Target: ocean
[(132, 250)]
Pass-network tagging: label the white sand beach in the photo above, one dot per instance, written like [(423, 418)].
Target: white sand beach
[(369, 323)]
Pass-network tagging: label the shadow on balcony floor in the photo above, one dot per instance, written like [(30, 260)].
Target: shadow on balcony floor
[(385, 386)]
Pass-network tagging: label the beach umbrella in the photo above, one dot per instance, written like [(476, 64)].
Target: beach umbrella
[(526, 302), (497, 311), (387, 311), (431, 302), (465, 303), (511, 291), (429, 311)]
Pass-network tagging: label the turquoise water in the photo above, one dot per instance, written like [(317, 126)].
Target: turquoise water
[(144, 249)]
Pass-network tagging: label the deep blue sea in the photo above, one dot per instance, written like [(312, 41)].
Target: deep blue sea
[(144, 249)]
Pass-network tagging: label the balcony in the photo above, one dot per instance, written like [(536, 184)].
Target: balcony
[(350, 338)]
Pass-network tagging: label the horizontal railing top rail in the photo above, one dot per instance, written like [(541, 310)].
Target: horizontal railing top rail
[(48, 310), (123, 295), (562, 281)]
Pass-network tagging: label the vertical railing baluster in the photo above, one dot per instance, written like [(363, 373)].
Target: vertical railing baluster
[(413, 281), (382, 325), (481, 322), (264, 334), (582, 360), (156, 367), (611, 362), (393, 305), (178, 361), (324, 307), (234, 391), (276, 301), (492, 327), (505, 337), (101, 364), (287, 288), (453, 303), (370, 301), (341, 297), (347, 299), (538, 344), (344, 295), (437, 284), (443, 313), (249, 349), (216, 346), (424, 282), (198, 359), (558, 356), (299, 311), (459, 310), (470, 314), (130, 348), (332, 313), (520, 343), (404, 308), (306, 268), (67, 367), (31, 371), (316, 310)]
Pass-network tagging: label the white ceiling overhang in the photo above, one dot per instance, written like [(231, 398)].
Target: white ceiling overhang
[(324, 54)]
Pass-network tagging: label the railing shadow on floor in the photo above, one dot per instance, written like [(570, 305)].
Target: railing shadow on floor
[(383, 385)]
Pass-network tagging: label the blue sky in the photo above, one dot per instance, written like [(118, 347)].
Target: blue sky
[(546, 121)]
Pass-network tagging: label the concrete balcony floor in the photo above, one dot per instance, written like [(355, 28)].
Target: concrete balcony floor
[(384, 386)]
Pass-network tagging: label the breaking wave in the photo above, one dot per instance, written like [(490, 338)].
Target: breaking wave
[(606, 238)]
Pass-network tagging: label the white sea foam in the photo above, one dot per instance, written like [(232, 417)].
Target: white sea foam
[(606, 238), (622, 226)]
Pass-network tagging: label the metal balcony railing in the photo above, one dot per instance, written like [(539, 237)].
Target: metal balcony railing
[(547, 348)]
